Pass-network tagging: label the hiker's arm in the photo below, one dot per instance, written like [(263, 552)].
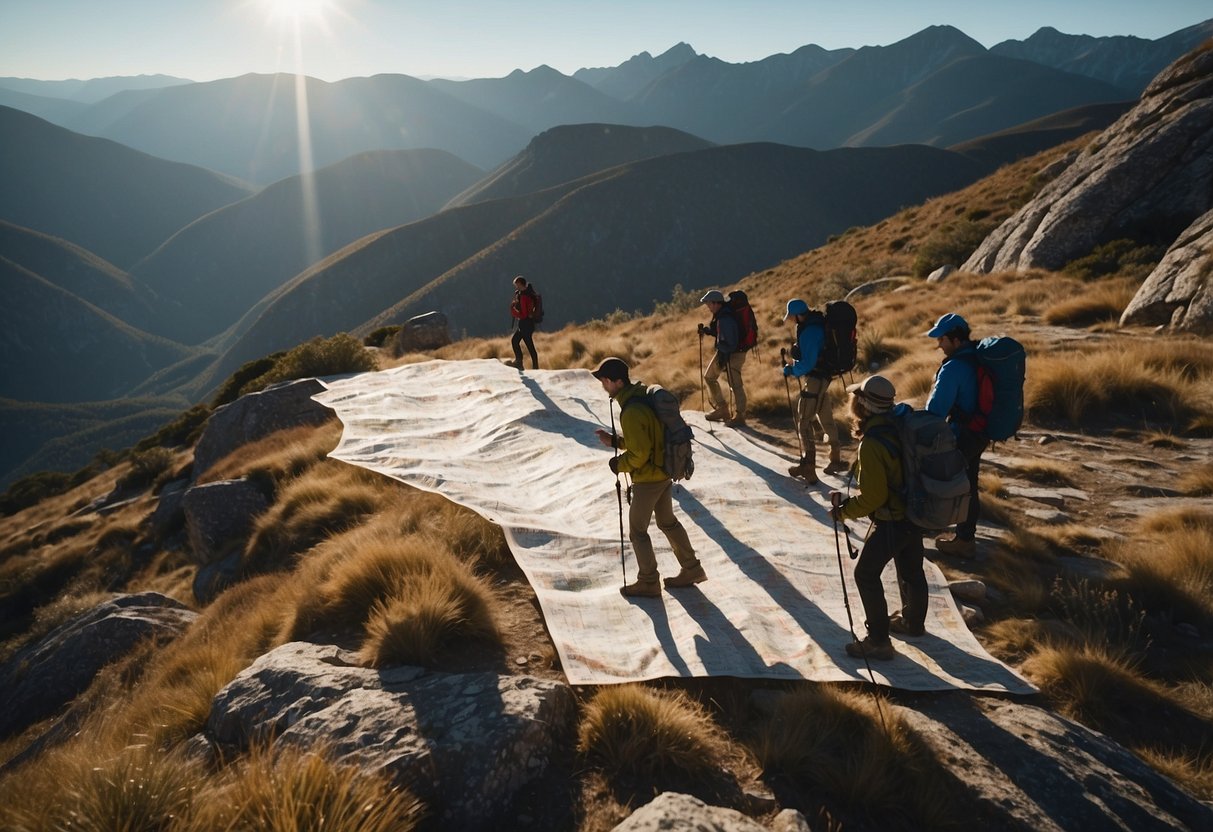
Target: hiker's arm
[(810, 341), (872, 478), (726, 338), (640, 452), (944, 391)]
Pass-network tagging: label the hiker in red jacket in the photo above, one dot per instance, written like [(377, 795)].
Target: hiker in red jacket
[(523, 309)]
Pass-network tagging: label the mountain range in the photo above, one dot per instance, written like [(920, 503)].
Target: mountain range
[(132, 275)]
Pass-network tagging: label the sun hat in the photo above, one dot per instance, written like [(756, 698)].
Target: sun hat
[(877, 393)]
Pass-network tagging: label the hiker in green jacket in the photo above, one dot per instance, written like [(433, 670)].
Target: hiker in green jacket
[(641, 445), (878, 475)]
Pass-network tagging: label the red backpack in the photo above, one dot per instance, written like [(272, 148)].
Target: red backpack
[(747, 324)]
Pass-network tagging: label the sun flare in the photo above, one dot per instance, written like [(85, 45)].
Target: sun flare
[(296, 9)]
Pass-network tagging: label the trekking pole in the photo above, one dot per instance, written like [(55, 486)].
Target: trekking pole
[(783, 359), (702, 406), (619, 489), (728, 374), (835, 502)]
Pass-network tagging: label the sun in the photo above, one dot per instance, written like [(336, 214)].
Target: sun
[(296, 9)]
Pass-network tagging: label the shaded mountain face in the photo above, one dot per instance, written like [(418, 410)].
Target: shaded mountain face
[(116, 202), (59, 348), (79, 272), (570, 152), (1040, 134), (621, 238), (248, 126), (636, 73), (91, 90), (211, 272), (1128, 63)]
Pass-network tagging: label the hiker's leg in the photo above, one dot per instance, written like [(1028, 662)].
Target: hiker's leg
[(516, 343), (877, 552), (910, 575), (806, 407), (672, 528), (972, 445), (527, 328), (712, 378), (825, 417), (644, 499), (736, 362)]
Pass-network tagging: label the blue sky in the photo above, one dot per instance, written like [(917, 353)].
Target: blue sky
[(207, 39)]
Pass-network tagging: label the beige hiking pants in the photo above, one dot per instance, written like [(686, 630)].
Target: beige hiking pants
[(649, 498), (732, 373), (815, 408)]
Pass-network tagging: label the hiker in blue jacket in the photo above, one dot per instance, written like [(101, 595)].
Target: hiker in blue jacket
[(814, 407), (954, 397), (729, 360)]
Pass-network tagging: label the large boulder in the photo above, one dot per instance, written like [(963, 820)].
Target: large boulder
[(219, 512), (423, 332), (44, 676), (465, 744), (674, 812), (1178, 293), (256, 415), (1028, 769), (1152, 169)]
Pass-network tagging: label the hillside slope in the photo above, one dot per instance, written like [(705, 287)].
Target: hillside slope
[(211, 272)]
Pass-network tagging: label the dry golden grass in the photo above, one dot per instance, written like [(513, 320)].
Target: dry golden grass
[(1045, 471), (281, 455), (1171, 573), (1193, 772), (1014, 639), (1099, 303), (1198, 481), (1020, 580), (836, 741), (635, 731), (1072, 539)]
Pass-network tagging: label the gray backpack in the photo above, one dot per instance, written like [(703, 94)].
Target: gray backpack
[(934, 471), (677, 458)]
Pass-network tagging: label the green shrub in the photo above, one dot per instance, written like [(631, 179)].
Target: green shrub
[(146, 466), (184, 430), (380, 336), (1112, 258), (342, 353), (952, 244), (244, 379)]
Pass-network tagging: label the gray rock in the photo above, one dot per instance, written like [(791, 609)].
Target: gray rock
[(424, 332), (465, 744), (1031, 770), (170, 511), (789, 820), (1150, 489), (1154, 163), (672, 812), (1055, 497), (968, 590), (42, 677), (218, 512), (1048, 516), (216, 576), (1177, 294), (972, 615), (941, 274), (256, 415)]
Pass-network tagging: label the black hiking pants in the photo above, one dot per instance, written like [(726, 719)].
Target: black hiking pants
[(525, 334), (972, 445), (899, 541)]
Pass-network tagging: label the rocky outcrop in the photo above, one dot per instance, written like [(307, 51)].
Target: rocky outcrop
[(42, 677), (1178, 294), (1151, 171), (255, 415), (674, 811), (423, 332), (219, 512), (465, 744), (1031, 770)]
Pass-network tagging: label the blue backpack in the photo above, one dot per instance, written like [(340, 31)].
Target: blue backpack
[(1001, 368)]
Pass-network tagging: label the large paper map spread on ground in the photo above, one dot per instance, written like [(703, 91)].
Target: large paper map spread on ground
[(519, 449)]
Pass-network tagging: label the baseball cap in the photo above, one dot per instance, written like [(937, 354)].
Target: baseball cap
[(611, 368), (876, 391), (796, 306), (946, 323), (714, 296)]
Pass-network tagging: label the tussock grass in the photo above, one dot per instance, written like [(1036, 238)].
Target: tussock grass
[(1014, 639), (1020, 580), (1100, 303), (1198, 481), (292, 789), (281, 455), (1103, 615), (635, 731), (833, 739), (326, 499), (1046, 472), (1193, 772), (1072, 538), (1173, 573), (468, 535)]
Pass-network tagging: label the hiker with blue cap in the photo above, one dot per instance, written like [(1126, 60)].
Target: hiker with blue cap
[(954, 397), (813, 409), (729, 360)]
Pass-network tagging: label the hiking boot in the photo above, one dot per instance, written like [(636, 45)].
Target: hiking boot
[(687, 577), (860, 649), (804, 470), (836, 467), (517, 365), (717, 415), (898, 624), (735, 422), (953, 545), (641, 589)]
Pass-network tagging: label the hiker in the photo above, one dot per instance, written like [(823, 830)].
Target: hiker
[(878, 474), (728, 360), (814, 408), (523, 309), (954, 397), (640, 445)]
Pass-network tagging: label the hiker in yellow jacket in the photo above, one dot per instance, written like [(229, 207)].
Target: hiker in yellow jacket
[(878, 475), (641, 445)]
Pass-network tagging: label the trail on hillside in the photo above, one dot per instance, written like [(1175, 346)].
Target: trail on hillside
[(519, 449)]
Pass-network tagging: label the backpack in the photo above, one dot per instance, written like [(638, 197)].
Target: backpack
[(677, 458), (747, 323), (840, 346), (536, 304), (1001, 367), (935, 479)]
